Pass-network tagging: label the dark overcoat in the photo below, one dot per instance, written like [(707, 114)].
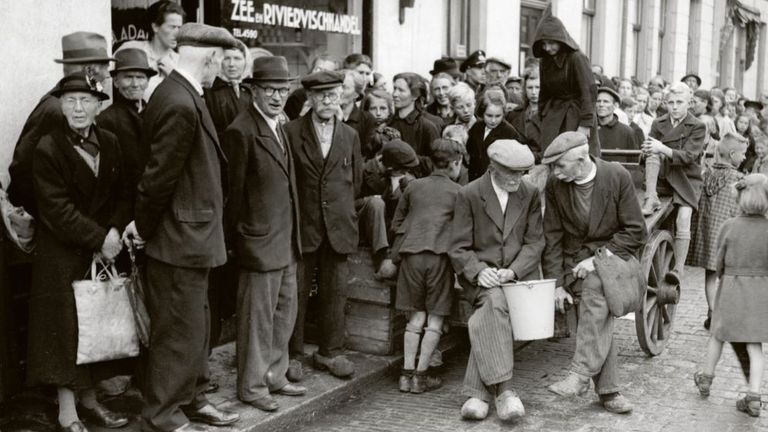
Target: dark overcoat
[(224, 105), (180, 198), (683, 170), (568, 92), (477, 146), (327, 188), (76, 210), (122, 118), (261, 216), (483, 236), (365, 125), (529, 125), (615, 222), (616, 135), (44, 118), (416, 130)]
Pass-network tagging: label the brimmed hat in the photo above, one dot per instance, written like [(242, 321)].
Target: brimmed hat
[(447, 65), (203, 35), (269, 68), (498, 60), (614, 94), (561, 144), (692, 75), (511, 154), (132, 59), (753, 104), (477, 58), (323, 80), (77, 82), (84, 47), (398, 154), (513, 78)]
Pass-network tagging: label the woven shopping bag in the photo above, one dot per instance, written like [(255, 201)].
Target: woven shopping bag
[(105, 323)]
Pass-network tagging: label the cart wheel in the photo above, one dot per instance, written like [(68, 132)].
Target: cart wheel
[(654, 323)]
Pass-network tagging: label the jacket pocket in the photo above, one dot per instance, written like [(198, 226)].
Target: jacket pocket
[(194, 215), (257, 230)]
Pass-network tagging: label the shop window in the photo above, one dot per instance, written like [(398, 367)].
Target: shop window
[(630, 55), (587, 21), (530, 14), (458, 16)]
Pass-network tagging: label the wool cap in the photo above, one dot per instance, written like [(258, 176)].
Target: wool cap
[(203, 35), (511, 154), (477, 58), (398, 154), (500, 61), (323, 80), (560, 145)]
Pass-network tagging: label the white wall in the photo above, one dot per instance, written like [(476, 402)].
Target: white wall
[(412, 46), (500, 28), (32, 34)]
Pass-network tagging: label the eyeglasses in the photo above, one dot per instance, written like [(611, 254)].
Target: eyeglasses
[(269, 91), (84, 101), (320, 97)]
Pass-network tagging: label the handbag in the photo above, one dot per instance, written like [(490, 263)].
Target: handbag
[(137, 298), (105, 323), (623, 282)]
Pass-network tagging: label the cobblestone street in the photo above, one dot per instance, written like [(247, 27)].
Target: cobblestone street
[(661, 389)]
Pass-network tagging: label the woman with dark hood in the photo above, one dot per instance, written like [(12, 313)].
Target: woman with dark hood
[(568, 92)]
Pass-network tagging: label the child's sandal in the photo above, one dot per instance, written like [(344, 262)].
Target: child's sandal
[(750, 404), (703, 382)]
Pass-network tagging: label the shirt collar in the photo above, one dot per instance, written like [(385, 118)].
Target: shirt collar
[(497, 188), (591, 176), (75, 138), (187, 76), (271, 122)]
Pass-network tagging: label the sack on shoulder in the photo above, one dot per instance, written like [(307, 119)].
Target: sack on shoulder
[(623, 282), (105, 323)]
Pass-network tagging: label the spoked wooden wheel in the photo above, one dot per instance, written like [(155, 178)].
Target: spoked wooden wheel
[(654, 321)]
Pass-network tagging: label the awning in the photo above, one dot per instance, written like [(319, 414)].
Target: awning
[(747, 18)]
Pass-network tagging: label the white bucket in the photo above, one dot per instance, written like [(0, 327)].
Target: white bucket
[(531, 308)]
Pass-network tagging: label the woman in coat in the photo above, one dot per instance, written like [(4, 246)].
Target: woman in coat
[(568, 91), (82, 196), (490, 128)]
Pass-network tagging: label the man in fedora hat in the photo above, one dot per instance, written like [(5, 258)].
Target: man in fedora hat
[(590, 204), (447, 65), (81, 52), (130, 77), (497, 238), (328, 178), (262, 231), (178, 216)]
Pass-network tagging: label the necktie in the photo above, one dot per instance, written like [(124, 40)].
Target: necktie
[(89, 147)]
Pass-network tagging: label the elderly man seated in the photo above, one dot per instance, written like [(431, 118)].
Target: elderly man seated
[(590, 204), (497, 239)]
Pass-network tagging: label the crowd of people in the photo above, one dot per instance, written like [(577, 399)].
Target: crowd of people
[(247, 196)]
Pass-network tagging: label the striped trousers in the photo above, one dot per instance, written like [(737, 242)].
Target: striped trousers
[(596, 354), (491, 357)]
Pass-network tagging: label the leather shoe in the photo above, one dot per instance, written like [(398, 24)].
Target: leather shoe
[(291, 390), (264, 403), (474, 409), (77, 426), (103, 417), (211, 415), (573, 385), (508, 406), (616, 404), (295, 372), (338, 366)]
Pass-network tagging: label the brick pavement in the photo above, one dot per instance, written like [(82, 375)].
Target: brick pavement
[(661, 388)]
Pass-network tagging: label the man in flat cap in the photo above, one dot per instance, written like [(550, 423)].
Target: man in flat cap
[(497, 239), (262, 230), (496, 71), (590, 204), (328, 175), (178, 215), (613, 134), (473, 69), (81, 52)]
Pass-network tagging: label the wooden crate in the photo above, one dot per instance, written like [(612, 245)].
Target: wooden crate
[(373, 324)]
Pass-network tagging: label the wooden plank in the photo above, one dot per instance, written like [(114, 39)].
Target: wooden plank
[(369, 311), (371, 291), (370, 346), (379, 330), (654, 220)]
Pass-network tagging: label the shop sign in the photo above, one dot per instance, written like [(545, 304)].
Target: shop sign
[(243, 15)]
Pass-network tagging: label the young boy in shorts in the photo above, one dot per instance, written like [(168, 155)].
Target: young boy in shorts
[(422, 228)]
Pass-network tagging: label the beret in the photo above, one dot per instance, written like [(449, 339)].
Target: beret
[(561, 144), (511, 154), (323, 80), (203, 35), (397, 154), (610, 91), (477, 58), (500, 61)]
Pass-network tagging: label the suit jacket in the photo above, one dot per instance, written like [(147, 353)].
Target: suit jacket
[(122, 118), (422, 220), (477, 146), (365, 125), (43, 120), (261, 215), (615, 222), (682, 171), (224, 105), (180, 197), (484, 237), (327, 188)]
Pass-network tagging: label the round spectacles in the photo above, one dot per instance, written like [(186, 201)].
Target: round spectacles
[(319, 97), (269, 91)]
